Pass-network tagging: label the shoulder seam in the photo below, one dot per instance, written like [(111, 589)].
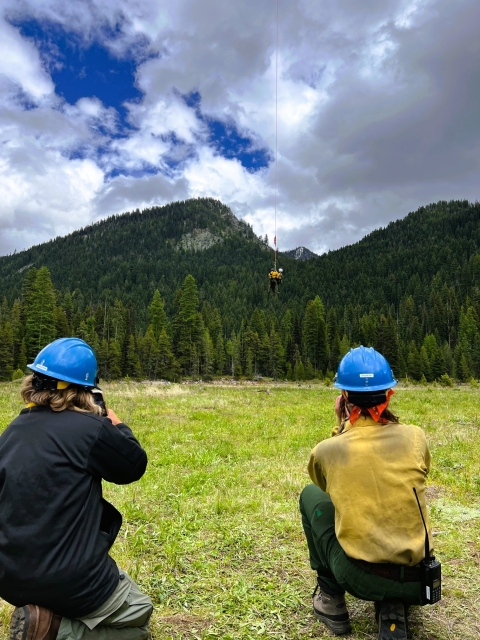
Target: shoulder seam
[(93, 442)]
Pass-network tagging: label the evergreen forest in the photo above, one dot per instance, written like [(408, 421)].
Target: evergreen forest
[(182, 291)]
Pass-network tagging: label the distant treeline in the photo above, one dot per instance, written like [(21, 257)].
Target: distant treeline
[(182, 290), (426, 340)]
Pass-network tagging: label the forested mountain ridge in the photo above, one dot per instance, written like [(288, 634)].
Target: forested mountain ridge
[(183, 290), (136, 236), (437, 243), (128, 256)]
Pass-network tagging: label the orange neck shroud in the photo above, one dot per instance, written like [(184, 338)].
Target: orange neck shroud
[(375, 412)]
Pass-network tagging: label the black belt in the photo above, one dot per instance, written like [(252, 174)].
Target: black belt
[(397, 572)]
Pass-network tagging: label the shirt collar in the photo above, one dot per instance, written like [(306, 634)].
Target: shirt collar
[(362, 421)]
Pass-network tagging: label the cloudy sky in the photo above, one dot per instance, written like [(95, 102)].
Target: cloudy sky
[(110, 105)]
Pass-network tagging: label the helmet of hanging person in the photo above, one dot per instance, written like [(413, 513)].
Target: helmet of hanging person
[(280, 270), (364, 370), (69, 360)]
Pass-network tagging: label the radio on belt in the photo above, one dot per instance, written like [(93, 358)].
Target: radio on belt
[(431, 569)]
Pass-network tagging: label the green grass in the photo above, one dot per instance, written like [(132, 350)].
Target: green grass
[(212, 532)]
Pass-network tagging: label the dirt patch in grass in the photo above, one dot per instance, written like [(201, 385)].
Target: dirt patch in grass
[(433, 492), (182, 625)]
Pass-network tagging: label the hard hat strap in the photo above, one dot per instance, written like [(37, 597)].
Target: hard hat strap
[(41, 382)]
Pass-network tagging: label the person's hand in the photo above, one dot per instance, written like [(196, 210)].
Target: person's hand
[(113, 416), (337, 407)]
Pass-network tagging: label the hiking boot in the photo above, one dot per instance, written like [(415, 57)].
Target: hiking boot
[(331, 610), (32, 622), (392, 620)]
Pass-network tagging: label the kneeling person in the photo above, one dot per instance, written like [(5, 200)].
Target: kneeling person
[(362, 523), (55, 527)]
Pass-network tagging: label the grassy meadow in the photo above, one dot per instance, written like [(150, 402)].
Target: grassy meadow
[(212, 531)]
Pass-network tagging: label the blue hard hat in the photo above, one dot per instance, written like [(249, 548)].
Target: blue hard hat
[(68, 359), (364, 369)]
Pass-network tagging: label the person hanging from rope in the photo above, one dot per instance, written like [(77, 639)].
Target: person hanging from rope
[(361, 520), (272, 276), (55, 528), (275, 278)]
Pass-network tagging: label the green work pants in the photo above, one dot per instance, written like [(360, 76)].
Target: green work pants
[(336, 573), (124, 616)]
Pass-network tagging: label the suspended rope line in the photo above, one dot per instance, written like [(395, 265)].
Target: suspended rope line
[(275, 276), (276, 144)]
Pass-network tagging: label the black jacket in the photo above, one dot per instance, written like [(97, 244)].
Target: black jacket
[(55, 527)]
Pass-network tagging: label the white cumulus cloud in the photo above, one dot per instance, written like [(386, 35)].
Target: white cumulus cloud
[(377, 114)]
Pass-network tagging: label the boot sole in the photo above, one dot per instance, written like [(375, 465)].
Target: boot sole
[(23, 625), (339, 628), (391, 614)]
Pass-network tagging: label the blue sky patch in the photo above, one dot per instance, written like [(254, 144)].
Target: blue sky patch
[(230, 143), (25, 102), (81, 70), (227, 139), (147, 170), (193, 101), (89, 69)]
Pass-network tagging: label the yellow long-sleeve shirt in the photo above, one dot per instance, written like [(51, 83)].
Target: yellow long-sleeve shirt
[(369, 471)]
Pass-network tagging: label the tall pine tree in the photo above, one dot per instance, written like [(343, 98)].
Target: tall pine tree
[(315, 335), (39, 308), (187, 333), (157, 315)]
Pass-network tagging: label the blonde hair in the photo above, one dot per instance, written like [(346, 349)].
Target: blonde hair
[(73, 398)]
